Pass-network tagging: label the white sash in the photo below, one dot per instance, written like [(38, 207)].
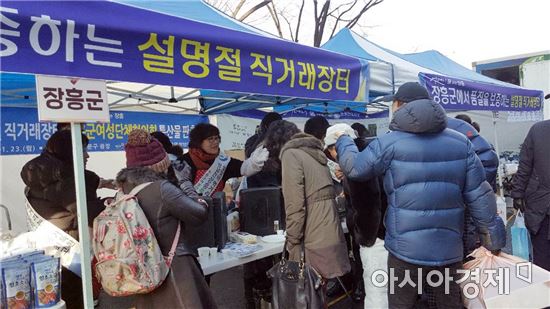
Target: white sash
[(53, 240), (210, 180), (332, 166)]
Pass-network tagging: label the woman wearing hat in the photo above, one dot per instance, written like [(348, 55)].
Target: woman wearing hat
[(166, 207), (210, 168)]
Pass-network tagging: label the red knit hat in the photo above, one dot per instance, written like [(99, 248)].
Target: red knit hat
[(143, 150)]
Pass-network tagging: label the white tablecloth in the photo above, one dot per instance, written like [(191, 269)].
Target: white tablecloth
[(223, 261)]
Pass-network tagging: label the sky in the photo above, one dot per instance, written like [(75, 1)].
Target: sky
[(464, 30)]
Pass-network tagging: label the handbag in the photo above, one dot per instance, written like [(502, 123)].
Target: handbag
[(296, 284)]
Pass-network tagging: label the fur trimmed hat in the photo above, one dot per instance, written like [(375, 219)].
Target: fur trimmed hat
[(143, 150)]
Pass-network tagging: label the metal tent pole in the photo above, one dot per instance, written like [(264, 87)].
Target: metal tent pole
[(82, 215), (499, 169)]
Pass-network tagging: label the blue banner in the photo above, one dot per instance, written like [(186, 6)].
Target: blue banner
[(23, 134), (113, 41), (454, 93)]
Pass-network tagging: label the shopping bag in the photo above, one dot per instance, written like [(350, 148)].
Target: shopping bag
[(520, 237), (503, 281)]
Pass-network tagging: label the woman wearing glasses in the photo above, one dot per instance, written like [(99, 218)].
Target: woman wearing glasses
[(210, 167)]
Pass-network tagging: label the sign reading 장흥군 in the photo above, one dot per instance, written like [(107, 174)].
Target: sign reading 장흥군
[(67, 99)]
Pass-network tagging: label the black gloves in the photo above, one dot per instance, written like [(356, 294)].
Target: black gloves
[(519, 204)]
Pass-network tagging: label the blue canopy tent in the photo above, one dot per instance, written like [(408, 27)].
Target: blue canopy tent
[(449, 83), (113, 41), (215, 101)]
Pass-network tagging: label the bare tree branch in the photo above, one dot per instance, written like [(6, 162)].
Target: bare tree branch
[(254, 9), (340, 6), (330, 16), (320, 21), (275, 18), (339, 18), (238, 8), (298, 23), (289, 24), (365, 8)]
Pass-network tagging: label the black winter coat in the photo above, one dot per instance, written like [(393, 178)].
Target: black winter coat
[(532, 180), (366, 205), (50, 189)]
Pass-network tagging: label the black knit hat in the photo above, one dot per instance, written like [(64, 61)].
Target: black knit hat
[(60, 145), (268, 119), (317, 126), (201, 132)]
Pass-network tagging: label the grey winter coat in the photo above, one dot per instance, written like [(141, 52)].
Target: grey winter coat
[(309, 199), (532, 180)]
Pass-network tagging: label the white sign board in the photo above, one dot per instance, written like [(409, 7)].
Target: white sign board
[(67, 99), (235, 130)]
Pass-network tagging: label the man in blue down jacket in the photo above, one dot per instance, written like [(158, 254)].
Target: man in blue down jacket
[(431, 174), (483, 149), (489, 159)]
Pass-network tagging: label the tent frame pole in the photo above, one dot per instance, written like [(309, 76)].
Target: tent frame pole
[(499, 169), (82, 215)]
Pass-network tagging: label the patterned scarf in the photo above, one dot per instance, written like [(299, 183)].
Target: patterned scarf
[(201, 159)]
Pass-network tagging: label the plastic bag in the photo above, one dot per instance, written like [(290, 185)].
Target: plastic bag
[(503, 281), (520, 238)]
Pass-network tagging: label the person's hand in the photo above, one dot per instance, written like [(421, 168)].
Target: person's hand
[(255, 163), (259, 156), (519, 204), (107, 184), (339, 174), (203, 202)]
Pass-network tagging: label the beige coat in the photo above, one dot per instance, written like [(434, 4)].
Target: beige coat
[(307, 183)]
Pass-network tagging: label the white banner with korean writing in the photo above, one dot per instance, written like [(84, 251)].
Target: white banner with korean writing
[(53, 240), (67, 99), (525, 116), (235, 130)]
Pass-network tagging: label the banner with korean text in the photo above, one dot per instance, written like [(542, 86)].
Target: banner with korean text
[(113, 41), (459, 94), (23, 134)]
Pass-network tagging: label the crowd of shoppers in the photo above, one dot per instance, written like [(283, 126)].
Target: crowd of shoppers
[(417, 199)]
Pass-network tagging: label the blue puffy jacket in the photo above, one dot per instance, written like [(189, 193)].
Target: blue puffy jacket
[(489, 160), (484, 150), (430, 174)]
